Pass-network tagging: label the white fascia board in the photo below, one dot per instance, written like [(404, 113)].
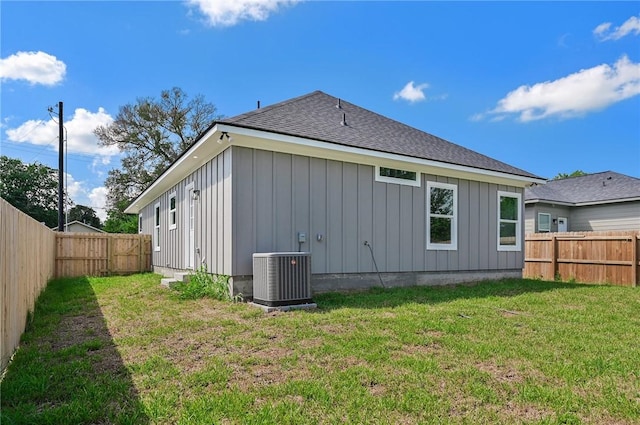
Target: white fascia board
[(611, 201), (581, 204), (543, 201), (196, 156), (259, 139), (265, 140)]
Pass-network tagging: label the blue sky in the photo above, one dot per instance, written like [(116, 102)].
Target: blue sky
[(548, 87)]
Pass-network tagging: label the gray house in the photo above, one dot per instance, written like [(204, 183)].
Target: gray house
[(79, 227), (318, 174), (595, 202)]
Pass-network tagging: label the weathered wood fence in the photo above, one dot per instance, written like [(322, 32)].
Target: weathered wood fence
[(587, 257), (27, 263), (31, 254), (101, 254)]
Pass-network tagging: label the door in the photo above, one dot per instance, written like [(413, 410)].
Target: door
[(562, 224), (189, 231)]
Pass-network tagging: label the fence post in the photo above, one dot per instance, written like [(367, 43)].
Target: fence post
[(554, 257), (140, 255), (634, 257), (109, 256)]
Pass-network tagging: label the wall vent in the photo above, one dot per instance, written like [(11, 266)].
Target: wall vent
[(281, 278)]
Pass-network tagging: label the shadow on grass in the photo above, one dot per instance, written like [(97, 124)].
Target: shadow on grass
[(68, 369), (393, 297)]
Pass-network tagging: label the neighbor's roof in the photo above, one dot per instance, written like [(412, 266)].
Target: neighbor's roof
[(81, 224), (317, 116), (594, 188)]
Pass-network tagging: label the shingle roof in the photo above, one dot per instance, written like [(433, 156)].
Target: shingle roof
[(316, 116), (592, 188)]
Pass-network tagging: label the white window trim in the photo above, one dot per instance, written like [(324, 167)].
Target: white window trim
[(173, 225), (140, 223), (453, 246), (549, 228), (385, 179), (156, 227), (518, 222)]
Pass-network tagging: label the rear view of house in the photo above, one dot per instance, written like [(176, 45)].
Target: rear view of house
[(319, 174), (594, 202)]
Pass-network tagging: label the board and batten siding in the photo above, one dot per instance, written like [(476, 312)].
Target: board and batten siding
[(213, 219), (532, 211), (607, 217), (277, 195)]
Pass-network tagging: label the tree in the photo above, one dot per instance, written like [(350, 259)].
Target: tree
[(31, 188), (119, 222), (576, 173), (83, 214), (151, 134)]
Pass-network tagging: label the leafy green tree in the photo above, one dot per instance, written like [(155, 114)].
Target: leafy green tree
[(84, 214), (151, 134), (576, 173), (119, 222), (31, 188)]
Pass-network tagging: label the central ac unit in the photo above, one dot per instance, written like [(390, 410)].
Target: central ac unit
[(282, 278)]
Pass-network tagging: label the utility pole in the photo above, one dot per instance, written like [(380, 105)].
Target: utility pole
[(60, 170)]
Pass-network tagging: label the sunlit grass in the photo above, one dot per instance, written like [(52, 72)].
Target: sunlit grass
[(125, 350)]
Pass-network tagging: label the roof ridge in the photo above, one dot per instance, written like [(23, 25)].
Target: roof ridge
[(271, 107)]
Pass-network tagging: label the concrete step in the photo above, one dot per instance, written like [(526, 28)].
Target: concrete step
[(182, 276), (167, 282)]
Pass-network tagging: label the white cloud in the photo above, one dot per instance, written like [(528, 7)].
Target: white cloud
[(98, 201), (34, 67), (75, 189), (585, 91), (631, 26), (79, 133), (81, 194), (411, 92), (226, 13)]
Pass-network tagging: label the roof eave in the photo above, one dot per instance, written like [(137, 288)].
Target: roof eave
[(246, 136), (179, 168)]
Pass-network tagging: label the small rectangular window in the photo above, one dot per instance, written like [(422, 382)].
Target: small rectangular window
[(156, 227), (139, 223), (544, 222), (509, 228), (442, 212), (394, 175), (172, 211)]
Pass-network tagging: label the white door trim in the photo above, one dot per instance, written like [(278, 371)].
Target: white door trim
[(566, 224), (189, 227)]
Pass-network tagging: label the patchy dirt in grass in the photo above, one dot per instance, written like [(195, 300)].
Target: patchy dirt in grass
[(517, 413), (376, 389), (501, 373), (75, 330)]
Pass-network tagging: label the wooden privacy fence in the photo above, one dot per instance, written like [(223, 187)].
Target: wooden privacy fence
[(101, 254), (588, 257), (31, 254), (27, 263)]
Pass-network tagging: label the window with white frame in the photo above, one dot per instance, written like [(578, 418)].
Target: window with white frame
[(156, 227), (172, 211), (139, 223), (509, 226), (442, 213), (394, 175), (544, 222)]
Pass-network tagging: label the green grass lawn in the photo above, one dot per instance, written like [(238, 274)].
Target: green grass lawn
[(124, 350)]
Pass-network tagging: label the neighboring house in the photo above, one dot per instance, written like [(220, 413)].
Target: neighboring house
[(594, 202), (79, 227), (322, 175)]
